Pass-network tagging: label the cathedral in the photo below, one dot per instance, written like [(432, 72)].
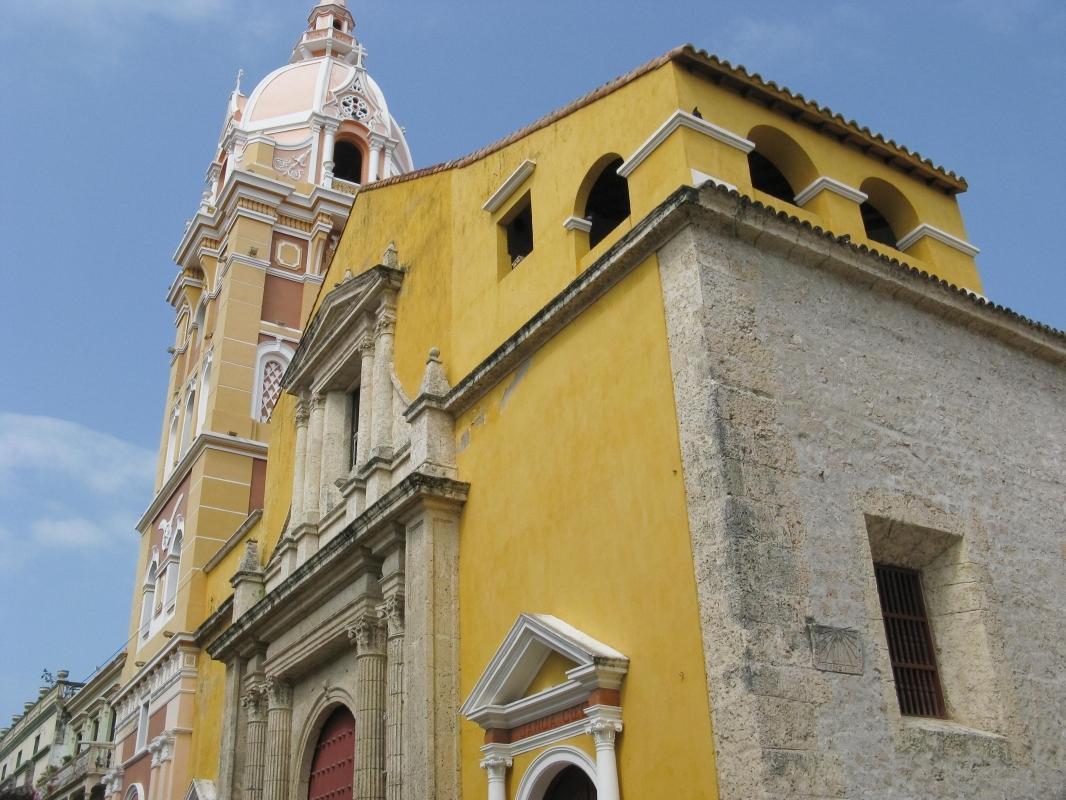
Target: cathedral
[(665, 447)]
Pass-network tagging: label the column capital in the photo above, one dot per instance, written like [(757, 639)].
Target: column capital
[(279, 692), (604, 731), (366, 346), (366, 634), (496, 766), (303, 412), (386, 323), (391, 613), (254, 701)]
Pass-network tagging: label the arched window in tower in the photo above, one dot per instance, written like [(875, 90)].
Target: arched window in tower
[(148, 596), (767, 178), (347, 162), (205, 377), (877, 227), (172, 442), (333, 764), (190, 420), (571, 784), (608, 202), (170, 593), (272, 374)]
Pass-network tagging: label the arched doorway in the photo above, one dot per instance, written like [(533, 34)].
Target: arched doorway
[(571, 784), (333, 764)]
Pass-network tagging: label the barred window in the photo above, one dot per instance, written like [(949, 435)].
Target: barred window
[(273, 372), (910, 642)]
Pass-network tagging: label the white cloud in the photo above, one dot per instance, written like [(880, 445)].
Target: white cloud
[(66, 487), (70, 454)]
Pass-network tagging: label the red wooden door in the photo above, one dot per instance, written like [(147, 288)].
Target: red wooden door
[(333, 767)]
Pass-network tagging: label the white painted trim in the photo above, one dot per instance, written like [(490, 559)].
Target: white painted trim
[(700, 178), (682, 119), (577, 224), (509, 186), (518, 660), (547, 765), (830, 185), (941, 236)]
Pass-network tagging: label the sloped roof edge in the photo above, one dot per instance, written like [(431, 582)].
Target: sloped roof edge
[(736, 78)]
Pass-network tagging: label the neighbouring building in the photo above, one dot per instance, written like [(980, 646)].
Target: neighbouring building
[(84, 758), (666, 447), (292, 155), (33, 746)]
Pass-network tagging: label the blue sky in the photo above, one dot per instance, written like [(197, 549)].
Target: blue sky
[(109, 110)]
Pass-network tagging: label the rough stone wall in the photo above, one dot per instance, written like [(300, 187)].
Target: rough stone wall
[(825, 416)]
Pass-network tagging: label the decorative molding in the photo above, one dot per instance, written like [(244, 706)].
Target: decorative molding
[(518, 660), (830, 185), (547, 765), (682, 119), (941, 236), (577, 224), (509, 186), (836, 649)]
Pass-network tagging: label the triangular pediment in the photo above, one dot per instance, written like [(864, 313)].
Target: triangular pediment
[(347, 313), (544, 665), (201, 790)]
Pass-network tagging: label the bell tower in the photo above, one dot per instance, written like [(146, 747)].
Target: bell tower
[(291, 159)]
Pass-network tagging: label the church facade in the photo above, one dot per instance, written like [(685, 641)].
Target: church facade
[(666, 446)]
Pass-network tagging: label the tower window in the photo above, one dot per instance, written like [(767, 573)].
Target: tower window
[(518, 228), (348, 162), (877, 227), (337, 25), (767, 178), (910, 642), (608, 203)]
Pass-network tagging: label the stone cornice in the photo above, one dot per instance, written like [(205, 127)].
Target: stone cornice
[(327, 569), (761, 224)]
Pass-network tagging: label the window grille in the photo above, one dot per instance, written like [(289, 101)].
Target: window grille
[(910, 642), (272, 374)]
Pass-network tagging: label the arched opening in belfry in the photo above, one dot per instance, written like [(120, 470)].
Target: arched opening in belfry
[(877, 227), (766, 177), (333, 763), (571, 784), (348, 162), (608, 202)]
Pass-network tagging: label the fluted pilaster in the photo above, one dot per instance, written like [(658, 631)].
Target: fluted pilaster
[(254, 702), (392, 615), (278, 736), (370, 708)]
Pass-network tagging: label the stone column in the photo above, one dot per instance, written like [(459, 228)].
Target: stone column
[(603, 733), (335, 448), (375, 159), (166, 761), (278, 735), (329, 145), (392, 615), (154, 781), (254, 702), (370, 708), (381, 426), (496, 767), (303, 414), (313, 461), (366, 394)]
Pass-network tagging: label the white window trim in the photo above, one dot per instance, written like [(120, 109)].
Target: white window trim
[(547, 765), (202, 392), (267, 351)]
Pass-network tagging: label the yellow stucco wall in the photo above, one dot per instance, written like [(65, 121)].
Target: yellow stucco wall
[(576, 492)]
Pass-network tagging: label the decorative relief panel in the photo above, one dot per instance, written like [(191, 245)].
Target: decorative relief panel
[(288, 254), (293, 166), (836, 649)]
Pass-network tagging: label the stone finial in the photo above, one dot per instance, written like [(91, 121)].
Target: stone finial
[(250, 560), (62, 674), (348, 276), (434, 381), (391, 256)]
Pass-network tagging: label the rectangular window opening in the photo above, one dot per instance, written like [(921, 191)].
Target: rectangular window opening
[(518, 228), (910, 642), (353, 443)]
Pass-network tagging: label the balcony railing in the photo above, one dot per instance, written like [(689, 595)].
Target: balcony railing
[(341, 185), (94, 759)]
